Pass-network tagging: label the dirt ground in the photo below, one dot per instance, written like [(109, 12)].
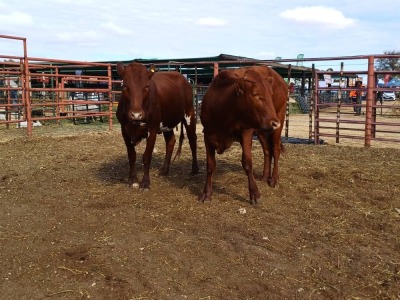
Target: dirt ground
[(70, 228)]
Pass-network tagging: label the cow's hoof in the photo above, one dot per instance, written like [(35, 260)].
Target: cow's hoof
[(204, 198), (163, 172), (134, 185), (195, 171), (255, 201), (272, 182)]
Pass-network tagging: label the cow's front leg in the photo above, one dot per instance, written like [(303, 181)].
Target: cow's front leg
[(147, 155), (132, 178), (264, 141), (247, 164), (170, 140)]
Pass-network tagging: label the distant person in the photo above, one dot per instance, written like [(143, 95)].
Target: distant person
[(291, 88), (329, 92), (379, 96), (14, 94), (355, 97)]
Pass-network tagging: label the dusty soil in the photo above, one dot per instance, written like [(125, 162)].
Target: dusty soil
[(70, 228)]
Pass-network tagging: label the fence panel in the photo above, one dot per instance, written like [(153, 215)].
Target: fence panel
[(338, 118), (35, 91)]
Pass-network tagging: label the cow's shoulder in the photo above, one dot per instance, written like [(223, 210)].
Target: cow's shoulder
[(169, 79)]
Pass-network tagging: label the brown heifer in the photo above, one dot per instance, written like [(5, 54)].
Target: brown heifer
[(271, 140), (151, 103), (237, 105)]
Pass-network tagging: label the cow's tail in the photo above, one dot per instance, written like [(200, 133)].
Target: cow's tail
[(181, 138)]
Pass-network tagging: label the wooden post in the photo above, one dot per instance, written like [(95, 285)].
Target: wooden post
[(287, 104), (215, 69), (368, 106), (311, 111), (26, 91), (316, 110), (110, 100), (339, 104)]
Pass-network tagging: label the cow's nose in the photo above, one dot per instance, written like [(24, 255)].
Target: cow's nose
[(275, 124), (136, 116)]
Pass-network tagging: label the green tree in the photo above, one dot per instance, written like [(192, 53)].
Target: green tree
[(390, 63)]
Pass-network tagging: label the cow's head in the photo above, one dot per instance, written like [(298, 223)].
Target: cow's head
[(135, 89), (257, 103)]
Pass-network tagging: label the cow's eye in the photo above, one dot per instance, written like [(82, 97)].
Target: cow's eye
[(146, 88)]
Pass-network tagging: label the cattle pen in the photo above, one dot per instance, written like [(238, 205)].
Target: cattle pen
[(71, 228), (39, 91)]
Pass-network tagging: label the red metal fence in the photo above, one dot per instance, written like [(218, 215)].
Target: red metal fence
[(33, 90), (371, 118)]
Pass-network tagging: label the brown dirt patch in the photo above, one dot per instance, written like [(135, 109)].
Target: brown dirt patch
[(70, 228)]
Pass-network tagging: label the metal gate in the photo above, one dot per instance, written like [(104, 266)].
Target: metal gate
[(35, 90), (369, 118)]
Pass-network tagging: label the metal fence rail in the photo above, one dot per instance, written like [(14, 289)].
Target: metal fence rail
[(35, 90), (338, 117)]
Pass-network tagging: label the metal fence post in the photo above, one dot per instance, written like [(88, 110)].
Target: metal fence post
[(368, 107)]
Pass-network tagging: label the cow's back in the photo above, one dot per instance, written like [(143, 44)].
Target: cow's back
[(217, 102), (174, 95)]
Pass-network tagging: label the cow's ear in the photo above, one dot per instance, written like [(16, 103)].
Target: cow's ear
[(270, 80), (152, 70), (240, 86), (120, 69)]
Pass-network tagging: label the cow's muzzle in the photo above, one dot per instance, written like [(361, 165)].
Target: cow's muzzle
[(275, 125), (136, 115), (271, 125)]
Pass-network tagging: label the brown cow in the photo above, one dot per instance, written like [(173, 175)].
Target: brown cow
[(151, 103), (237, 105), (271, 140)]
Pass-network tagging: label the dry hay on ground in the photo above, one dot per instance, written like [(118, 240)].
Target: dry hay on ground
[(70, 228)]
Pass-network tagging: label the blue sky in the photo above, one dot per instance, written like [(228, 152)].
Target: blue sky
[(99, 30)]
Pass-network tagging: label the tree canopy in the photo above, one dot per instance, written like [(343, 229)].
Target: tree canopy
[(388, 64)]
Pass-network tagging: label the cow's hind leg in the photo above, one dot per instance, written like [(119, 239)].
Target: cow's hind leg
[(277, 147), (190, 127), (170, 140), (211, 164)]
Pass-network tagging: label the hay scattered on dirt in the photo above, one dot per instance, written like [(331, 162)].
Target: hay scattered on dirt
[(72, 229)]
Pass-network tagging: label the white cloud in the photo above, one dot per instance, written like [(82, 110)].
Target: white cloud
[(321, 15), (16, 18), (78, 36), (74, 2), (117, 29), (261, 29), (211, 22)]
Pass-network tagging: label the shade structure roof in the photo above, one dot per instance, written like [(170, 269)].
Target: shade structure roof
[(202, 68)]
